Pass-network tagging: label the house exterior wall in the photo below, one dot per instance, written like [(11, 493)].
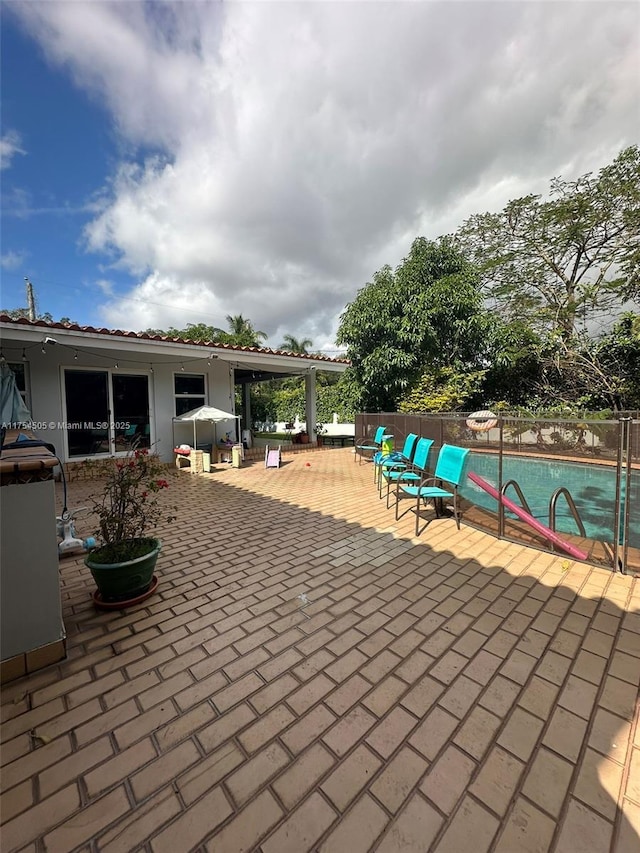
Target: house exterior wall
[(46, 384), (219, 392), (45, 396), (48, 349)]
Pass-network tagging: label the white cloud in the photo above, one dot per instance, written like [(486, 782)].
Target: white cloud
[(301, 146), (12, 260), (105, 286), (10, 145), (160, 302)]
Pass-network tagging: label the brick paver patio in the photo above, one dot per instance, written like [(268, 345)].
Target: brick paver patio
[(310, 677)]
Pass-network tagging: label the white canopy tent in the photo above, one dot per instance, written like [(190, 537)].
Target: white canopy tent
[(208, 414)]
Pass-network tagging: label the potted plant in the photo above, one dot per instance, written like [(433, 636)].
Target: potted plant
[(319, 430), (128, 510)]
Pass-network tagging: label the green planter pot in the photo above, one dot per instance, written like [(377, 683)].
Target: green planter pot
[(126, 580)]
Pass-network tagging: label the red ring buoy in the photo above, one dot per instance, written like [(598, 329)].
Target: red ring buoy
[(482, 421)]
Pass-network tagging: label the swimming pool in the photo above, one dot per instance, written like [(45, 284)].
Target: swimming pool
[(592, 487)]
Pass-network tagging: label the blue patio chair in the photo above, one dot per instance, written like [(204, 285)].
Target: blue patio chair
[(414, 472), (370, 446), (449, 472), (397, 460)]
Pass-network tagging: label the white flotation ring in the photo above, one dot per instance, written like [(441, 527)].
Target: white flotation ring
[(482, 421)]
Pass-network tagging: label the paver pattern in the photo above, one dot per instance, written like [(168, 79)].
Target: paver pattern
[(309, 677)]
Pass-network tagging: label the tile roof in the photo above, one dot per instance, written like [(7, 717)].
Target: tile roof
[(119, 333)]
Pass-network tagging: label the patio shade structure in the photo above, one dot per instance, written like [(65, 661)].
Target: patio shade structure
[(208, 414)]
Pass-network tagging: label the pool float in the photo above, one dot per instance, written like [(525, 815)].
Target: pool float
[(482, 421)]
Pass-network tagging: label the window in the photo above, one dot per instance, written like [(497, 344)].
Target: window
[(19, 369), (189, 392)]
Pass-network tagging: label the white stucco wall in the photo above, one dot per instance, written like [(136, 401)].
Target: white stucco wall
[(219, 388), (45, 395), (46, 387), (48, 350)]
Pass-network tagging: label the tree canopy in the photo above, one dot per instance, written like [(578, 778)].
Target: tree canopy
[(426, 314), (198, 332), (293, 344), (19, 313), (560, 261), (240, 332)]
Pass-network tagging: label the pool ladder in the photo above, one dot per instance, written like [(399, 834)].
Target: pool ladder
[(561, 492), (564, 492)]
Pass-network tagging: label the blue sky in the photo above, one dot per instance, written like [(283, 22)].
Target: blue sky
[(166, 163), (67, 149), (63, 147)]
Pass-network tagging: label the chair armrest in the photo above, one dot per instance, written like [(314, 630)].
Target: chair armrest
[(396, 463), (368, 441), (405, 475)]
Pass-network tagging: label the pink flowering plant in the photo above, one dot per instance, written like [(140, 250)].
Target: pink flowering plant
[(129, 507)]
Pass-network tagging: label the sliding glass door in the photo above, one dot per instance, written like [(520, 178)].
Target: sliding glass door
[(131, 410), (106, 412)]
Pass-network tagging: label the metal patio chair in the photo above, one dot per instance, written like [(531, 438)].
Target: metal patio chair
[(443, 485)]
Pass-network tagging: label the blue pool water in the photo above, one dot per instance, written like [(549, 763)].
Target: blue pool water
[(592, 488)]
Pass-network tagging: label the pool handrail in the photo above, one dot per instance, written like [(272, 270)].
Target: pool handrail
[(572, 507), (528, 518), (519, 492)]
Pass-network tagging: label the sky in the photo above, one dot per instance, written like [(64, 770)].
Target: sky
[(166, 163)]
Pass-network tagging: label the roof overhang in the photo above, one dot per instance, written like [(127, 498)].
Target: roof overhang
[(248, 362)]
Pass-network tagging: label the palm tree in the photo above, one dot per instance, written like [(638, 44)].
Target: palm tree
[(292, 344), (241, 332)]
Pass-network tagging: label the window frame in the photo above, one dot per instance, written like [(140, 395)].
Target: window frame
[(115, 447), (25, 392), (199, 399)]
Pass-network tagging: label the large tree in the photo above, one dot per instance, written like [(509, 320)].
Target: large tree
[(515, 371), (424, 315), (604, 371), (558, 262), (619, 354)]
